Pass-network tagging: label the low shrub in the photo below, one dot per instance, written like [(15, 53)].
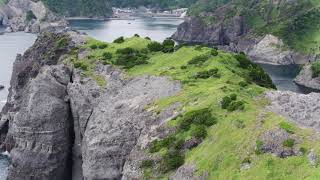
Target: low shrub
[(136, 35), (155, 46), (61, 43), (81, 65), (303, 150), (199, 131), (243, 84), (197, 117), (198, 60), (212, 73), (259, 145), (102, 46), (172, 160), (183, 67), (287, 127), (244, 61), (214, 52), (231, 104), (288, 143), (315, 67), (129, 57), (168, 46), (147, 163), (260, 77), (236, 105), (147, 38), (106, 56), (93, 46), (119, 40)]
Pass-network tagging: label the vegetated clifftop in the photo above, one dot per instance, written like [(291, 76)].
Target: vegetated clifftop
[(272, 32), (134, 109), (29, 16)]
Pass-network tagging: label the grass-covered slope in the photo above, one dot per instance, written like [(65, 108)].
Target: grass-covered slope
[(222, 108), (296, 22)]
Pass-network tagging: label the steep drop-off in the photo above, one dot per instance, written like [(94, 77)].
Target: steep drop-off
[(134, 109)]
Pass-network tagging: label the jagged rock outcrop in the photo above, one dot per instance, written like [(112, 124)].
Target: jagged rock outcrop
[(305, 78), (29, 16), (40, 131), (302, 109), (63, 125)]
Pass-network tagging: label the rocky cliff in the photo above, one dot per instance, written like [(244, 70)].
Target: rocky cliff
[(257, 28), (305, 78), (77, 110), (29, 16)]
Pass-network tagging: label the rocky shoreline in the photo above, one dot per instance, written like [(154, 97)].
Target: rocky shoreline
[(29, 16)]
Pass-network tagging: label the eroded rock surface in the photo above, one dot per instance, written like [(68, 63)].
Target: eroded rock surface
[(305, 78), (299, 108), (29, 16)]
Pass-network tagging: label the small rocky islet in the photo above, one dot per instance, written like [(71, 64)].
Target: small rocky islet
[(79, 108)]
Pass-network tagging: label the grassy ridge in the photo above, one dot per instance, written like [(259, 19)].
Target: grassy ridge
[(232, 140)]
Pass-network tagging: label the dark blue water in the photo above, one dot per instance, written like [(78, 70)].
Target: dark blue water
[(283, 76)]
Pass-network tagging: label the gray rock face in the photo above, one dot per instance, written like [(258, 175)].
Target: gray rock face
[(14, 15), (233, 35), (222, 33), (305, 78), (59, 124), (40, 130), (273, 143), (302, 109)]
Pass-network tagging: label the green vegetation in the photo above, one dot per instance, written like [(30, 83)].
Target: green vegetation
[(222, 138), (287, 127), (79, 7), (315, 67), (288, 143), (119, 40)]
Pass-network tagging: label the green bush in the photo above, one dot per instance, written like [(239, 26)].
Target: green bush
[(244, 61), (136, 35), (287, 127), (183, 67), (212, 73), (93, 46), (147, 38), (129, 57), (236, 105), (61, 43), (231, 104), (102, 46), (260, 77), (259, 145), (303, 150), (107, 56), (172, 160), (155, 46), (315, 67), (243, 84), (198, 60), (288, 143), (199, 131), (214, 52), (147, 163), (119, 40), (81, 65), (168, 46), (197, 117)]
